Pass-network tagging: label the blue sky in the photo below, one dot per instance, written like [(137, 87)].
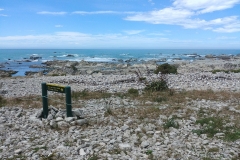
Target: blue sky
[(76, 24)]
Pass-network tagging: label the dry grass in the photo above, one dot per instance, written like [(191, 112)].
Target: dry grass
[(169, 97)]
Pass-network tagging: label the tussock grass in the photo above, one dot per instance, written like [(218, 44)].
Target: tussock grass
[(171, 123), (86, 95), (170, 97), (226, 71), (2, 101), (168, 103), (213, 125)]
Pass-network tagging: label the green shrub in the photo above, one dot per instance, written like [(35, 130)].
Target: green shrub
[(74, 68), (2, 101), (159, 99), (225, 71), (108, 111), (133, 92), (142, 79), (171, 123), (213, 125), (166, 69), (160, 85), (210, 126), (148, 152)]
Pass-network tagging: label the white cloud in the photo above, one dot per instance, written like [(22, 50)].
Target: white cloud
[(156, 34), (51, 13), (225, 38), (132, 32), (81, 40), (164, 16), (58, 26), (102, 12), (229, 28), (2, 15), (205, 6), (208, 25), (151, 2), (183, 11), (95, 12)]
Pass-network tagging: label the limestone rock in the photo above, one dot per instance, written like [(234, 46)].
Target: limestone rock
[(124, 146), (62, 124)]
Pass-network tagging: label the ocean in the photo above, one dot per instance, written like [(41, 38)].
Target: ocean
[(19, 59)]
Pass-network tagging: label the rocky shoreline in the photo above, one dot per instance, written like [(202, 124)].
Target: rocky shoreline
[(58, 67), (120, 128)]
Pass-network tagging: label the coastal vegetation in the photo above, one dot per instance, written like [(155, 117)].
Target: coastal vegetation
[(166, 69), (2, 101), (226, 71), (165, 109), (160, 85)]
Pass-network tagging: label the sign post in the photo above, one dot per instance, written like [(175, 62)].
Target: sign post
[(68, 101), (56, 88), (44, 100)]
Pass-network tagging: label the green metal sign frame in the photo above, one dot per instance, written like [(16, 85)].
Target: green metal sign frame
[(56, 88)]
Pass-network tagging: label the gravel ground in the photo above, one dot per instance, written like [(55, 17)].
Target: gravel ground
[(111, 128)]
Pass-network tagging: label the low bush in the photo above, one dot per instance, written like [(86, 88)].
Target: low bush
[(160, 85), (2, 101), (225, 71), (166, 69), (213, 125), (133, 92), (171, 123)]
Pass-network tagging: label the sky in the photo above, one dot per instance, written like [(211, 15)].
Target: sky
[(119, 24)]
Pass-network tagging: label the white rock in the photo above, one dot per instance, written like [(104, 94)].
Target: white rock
[(82, 152), (205, 142), (59, 119), (18, 151), (62, 124), (81, 122), (69, 119), (50, 117), (193, 119), (124, 146), (124, 128), (53, 123), (145, 144)]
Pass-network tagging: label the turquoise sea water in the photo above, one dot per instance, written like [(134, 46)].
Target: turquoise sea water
[(16, 58)]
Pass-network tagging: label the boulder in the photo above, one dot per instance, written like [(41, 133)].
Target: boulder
[(78, 113), (35, 57), (210, 56), (70, 55), (224, 57), (81, 122)]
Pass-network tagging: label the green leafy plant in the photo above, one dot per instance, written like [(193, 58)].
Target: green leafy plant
[(133, 92), (213, 125), (94, 157), (159, 99), (148, 152), (160, 85), (171, 123), (225, 71), (2, 101), (166, 69)]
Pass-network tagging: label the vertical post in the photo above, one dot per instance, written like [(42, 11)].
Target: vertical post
[(68, 101), (44, 100)]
